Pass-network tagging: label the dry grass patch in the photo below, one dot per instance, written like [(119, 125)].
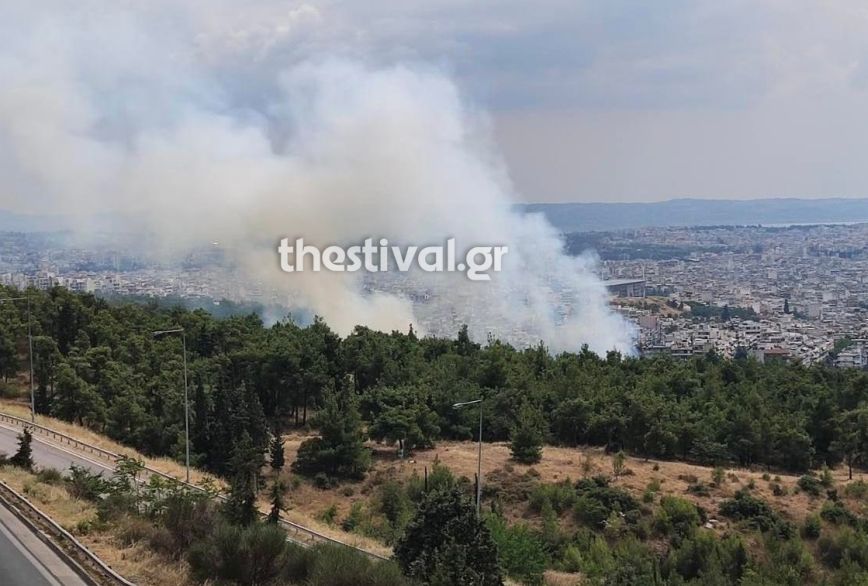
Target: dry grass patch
[(136, 562)]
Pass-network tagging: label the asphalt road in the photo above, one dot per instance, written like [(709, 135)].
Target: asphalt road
[(25, 560), (46, 455)]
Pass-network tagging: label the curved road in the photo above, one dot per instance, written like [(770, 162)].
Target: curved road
[(25, 560), (48, 455)]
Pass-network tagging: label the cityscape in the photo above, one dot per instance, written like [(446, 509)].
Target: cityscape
[(796, 293)]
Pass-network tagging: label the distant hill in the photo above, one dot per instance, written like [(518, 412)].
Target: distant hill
[(16, 222), (586, 217)]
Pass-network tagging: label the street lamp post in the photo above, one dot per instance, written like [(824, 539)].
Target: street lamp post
[(30, 352), (479, 457), (157, 334)]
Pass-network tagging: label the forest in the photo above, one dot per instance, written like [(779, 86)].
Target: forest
[(99, 364)]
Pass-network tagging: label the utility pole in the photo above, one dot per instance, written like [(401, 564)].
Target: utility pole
[(479, 452)]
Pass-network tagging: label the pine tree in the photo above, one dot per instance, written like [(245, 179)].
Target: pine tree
[(340, 450), (277, 491), (240, 507), (278, 458), (527, 436), (23, 458), (446, 543)]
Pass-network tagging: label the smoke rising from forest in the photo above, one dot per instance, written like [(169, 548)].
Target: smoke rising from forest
[(195, 130)]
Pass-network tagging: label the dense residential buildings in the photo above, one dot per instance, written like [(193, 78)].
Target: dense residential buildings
[(796, 293)]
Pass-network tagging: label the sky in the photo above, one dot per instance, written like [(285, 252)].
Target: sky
[(603, 100), (631, 100)]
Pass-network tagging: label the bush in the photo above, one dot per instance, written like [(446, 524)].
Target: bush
[(520, 550), (857, 489), (756, 513), (836, 513), (134, 530), (329, 515), (810, 485), (251, 555), (699, 489), (677, 517), (50, 476), (396, 507), (85, 485), (812, 527), (845, 546), (704, 555), (334, 565), (596, 501), (561, 496)]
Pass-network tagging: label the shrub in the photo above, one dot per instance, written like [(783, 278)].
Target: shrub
[(322, 481), (699, 489), (329, 515), (810, 485), (845, 546), (812, 527), (256, 554), (704, 555), (826, 478), (778, 490), (520, 550), (396, 507), (590, 512), (85, 485), (677, 517), (334, 565), (355, 517), (561, 496), (857, 489), (50, 476), (836, 513), (717, 476), (756, 513), (618, 461), (596, 501)]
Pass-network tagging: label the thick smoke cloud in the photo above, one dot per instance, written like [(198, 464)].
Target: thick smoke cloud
[(104, 108)]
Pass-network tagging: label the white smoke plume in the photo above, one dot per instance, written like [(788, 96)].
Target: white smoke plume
[(198, 131)]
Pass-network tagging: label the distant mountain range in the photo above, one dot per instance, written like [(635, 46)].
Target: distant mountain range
[(588, 217), (591, 217)]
